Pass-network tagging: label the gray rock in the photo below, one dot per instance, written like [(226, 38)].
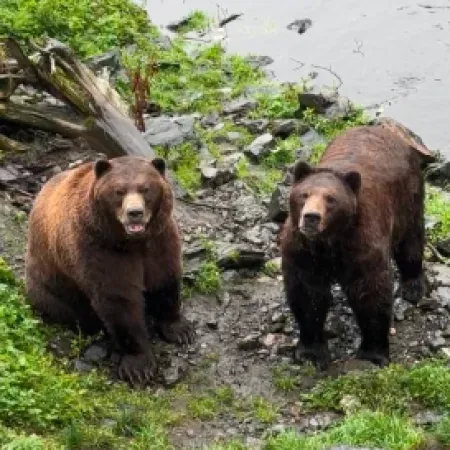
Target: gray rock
[(230, 137), (110, 59), (95, 353), (442, 274), (427, 418), (239, 106), (81, 366), (285, 127), (8, 174), (442, 295), (163, 42), (300, 26), (168, 131), (436, 342), (340, 109), (260, 147), (319, 102), (210, 120), (249, 342), (217, 176), (444, 247), (238, 256), (175, 372), (279, 203), (259, 61), (256, 126)]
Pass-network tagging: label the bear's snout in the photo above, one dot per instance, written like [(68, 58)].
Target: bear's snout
[(135, 214)]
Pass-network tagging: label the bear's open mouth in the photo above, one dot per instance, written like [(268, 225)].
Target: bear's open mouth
[(134, 228)]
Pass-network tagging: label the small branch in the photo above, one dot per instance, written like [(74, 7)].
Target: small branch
[(330, 70), (300, 64), (229, 19), (206, 205), (435, 252), (42, 118), (11, 146), (359, 46), (433, 7)]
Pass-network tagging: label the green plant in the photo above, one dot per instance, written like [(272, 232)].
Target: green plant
[(437, 206)]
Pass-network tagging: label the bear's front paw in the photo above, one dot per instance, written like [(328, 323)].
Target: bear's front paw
[(412, 291), (138, 369), (377, 357), (180, 332), (317, 354)]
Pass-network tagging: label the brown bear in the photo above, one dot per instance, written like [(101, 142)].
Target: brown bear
[(104, 253), (362, 204)]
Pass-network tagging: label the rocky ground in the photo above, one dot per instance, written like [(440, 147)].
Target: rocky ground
[(245, 333)]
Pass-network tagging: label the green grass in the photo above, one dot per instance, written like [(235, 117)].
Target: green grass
[(88, 26), (395, 389), (368, 429), (195, 21), (438, 208)]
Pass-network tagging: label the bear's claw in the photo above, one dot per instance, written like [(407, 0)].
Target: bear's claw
[(181, 332), (317, 354), (378, 358), (138, 369)]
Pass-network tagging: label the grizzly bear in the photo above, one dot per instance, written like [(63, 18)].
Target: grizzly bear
[(104, 253), (362, 204)]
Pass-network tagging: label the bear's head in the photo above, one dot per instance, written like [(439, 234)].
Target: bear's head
[(132, 195), (322, 202)]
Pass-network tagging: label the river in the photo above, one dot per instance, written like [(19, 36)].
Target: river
[(389, 52)]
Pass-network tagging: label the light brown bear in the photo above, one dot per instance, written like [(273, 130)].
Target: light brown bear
[(361, 205), (104, 253)]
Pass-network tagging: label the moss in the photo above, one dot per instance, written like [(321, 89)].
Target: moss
[(438, 209)]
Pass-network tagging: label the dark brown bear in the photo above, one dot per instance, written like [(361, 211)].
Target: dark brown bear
[(104, 252), (362, 204)]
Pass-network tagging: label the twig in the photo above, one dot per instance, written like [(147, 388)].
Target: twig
[(11, 146), (433, 7), (437, 255), (206, 205), (301, 64), (359, 46), (229, 19), (330, 70)]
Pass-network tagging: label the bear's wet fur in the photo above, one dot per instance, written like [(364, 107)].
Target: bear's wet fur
[(361, 206), (104, 253)]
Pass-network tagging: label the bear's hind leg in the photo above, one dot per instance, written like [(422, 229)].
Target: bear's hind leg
[(309, 301), (371, 298), (163, 304), (408, 256), (76, 315)]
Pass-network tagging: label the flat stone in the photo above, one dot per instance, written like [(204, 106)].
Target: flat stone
[(249, 342), (256, 126), (169, 131), (279, 203), (239, 106), (260, 147)]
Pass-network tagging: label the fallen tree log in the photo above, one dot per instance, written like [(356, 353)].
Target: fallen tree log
[(100, 116)]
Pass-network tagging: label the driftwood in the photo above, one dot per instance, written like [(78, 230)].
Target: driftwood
[(96, 111)]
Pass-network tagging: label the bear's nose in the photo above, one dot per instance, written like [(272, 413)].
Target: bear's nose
[(311, 219), (135, 213)]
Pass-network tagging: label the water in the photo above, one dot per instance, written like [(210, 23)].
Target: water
[(385, 51)]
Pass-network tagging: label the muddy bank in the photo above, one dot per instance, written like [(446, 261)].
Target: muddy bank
[(389, 54)]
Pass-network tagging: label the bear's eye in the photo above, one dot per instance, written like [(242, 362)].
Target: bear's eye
[(330, 200), (119, 192), (303, 196), (143, 189)]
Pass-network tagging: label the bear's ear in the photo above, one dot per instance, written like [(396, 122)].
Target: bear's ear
[(301, 170), (101, 167), (160, 165), (353, 179)]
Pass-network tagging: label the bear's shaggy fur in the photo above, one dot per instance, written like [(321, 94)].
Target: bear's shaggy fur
[(104, 252), (362, 204)]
